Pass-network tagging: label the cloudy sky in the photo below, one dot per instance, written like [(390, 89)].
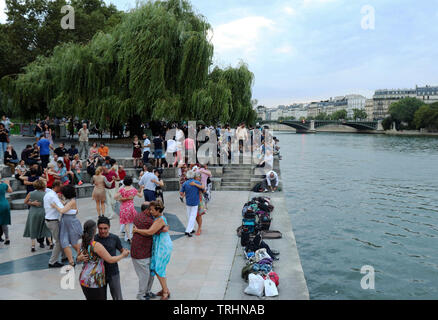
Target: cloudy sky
[(304, 50)]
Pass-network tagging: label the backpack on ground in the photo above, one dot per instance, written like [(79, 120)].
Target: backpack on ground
[(258, 187), (264, 220), (271, 234), (244, 238), (248, 225), (246, 270)]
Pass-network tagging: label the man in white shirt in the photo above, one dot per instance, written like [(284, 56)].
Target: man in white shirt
[(55, 160), (83, 141), (146, 149), (149, 182), (171, 149), (272, 181), (52, 221), (242, 136), (7, 123)]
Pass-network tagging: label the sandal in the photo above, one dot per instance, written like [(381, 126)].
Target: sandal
[(159, 294), (165, 296)]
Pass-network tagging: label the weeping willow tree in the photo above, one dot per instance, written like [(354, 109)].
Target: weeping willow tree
[(154, 65)]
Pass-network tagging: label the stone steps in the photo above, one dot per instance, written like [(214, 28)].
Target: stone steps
[(234, 188), (236, 184), (230, 177), (18, 204)]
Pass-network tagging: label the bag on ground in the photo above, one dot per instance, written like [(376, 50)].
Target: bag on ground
[(246, 270), (270, 288), (261, 254), (274, 277), (256, 285)]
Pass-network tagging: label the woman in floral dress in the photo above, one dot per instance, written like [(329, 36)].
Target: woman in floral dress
[(161, 247), (126, 196)]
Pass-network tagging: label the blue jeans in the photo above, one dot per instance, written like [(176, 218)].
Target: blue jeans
[(158, 153), (3, 146)]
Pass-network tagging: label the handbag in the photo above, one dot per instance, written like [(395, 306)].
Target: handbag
[(256, 285), (261, 254), (270, 288), (93, 271)]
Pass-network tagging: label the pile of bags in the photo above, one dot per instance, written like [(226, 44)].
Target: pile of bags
[(262, 280), (256, 216)]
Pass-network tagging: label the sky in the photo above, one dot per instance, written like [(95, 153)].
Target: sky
[(311, 50)]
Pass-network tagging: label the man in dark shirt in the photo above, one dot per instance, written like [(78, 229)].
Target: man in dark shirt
[(72, 152), (111, 242), (158, 150), (25, 155), (61, 150), (141, 251)]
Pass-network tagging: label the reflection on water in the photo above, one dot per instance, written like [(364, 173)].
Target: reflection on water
[(360, 200)]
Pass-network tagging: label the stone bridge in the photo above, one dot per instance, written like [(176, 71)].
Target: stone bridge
[(310, 126)]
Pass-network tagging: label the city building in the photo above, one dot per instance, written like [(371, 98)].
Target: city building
[(261, 112), (428, 94), (385, 97), (369, 109), (355, 101)]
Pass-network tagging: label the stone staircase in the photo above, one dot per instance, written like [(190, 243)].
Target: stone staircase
[(236, 177), (230, 177)]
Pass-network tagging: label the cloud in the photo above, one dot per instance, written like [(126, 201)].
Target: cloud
[(3, 15), (307, 3), (285, 49), (290, 11), (241, 36)]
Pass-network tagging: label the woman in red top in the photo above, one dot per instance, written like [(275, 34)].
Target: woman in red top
[(67, 163), (50, 175), (122, 173)]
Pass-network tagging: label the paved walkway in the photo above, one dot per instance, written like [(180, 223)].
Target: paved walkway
[(199, 268)]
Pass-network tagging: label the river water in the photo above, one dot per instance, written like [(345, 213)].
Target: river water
[(358, 200)]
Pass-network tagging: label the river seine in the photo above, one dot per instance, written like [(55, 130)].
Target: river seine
[(358, 200)]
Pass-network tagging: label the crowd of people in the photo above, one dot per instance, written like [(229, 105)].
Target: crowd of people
[(50, 175)]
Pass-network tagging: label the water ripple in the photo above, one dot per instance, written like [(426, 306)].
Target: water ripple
[(364, 200)]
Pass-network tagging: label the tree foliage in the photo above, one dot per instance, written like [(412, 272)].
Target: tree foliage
[(359, 114), (426, 117), (33, 28), (322, 116), (339, 115), (403, 111), (387, 123), (154, 65)]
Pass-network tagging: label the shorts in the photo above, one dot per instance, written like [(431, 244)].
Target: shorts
[(158, 154), (38, 134), (149, 195)]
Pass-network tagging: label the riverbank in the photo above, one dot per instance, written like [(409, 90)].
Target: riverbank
[(411, 133), (201, 268), (293, 284)]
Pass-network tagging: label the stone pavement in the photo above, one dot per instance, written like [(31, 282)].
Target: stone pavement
[(199, 266)]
